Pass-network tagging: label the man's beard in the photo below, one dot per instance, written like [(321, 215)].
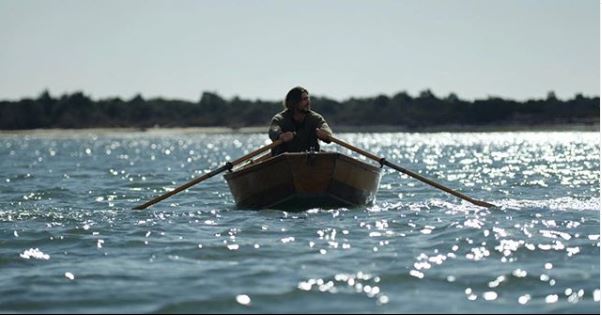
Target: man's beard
[(303, 110)]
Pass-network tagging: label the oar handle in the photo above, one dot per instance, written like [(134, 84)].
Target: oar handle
[(358, 150), (254, 153), (383, 161), (197, 180)]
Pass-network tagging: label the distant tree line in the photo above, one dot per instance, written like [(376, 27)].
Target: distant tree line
[(425, 110)]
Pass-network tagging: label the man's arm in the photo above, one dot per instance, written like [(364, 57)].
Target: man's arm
[(275, 129), (276, 132), (323, 131)]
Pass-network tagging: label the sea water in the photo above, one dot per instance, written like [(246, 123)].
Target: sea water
[(69, 241)]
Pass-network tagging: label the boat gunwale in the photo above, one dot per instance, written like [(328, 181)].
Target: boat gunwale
[(283, 157)]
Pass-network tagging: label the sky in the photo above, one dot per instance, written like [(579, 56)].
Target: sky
[(259, 49)]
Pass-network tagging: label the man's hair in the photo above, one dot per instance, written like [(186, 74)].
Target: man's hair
[(293, 97)]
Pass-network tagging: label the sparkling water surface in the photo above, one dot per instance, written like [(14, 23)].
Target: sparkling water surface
[(70, 243)]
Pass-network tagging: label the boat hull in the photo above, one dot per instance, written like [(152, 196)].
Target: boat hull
[(304, 180)]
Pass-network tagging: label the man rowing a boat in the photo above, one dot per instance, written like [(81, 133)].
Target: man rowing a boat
[(297, 125)]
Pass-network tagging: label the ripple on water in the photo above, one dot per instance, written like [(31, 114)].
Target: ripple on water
[(416, 249)]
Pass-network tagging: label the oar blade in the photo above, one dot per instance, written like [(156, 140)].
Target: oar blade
[(227, 166), (483, 204), (183, 187), (423, 179)]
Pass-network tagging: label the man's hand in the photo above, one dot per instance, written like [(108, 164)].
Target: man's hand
[(323, 135), (286, 136)]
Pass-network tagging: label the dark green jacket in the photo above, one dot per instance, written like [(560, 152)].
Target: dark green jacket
[(305, 133)]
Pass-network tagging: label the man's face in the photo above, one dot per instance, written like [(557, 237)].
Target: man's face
[(305, 104)]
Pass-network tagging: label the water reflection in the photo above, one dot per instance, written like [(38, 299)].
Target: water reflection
[(65, 215)]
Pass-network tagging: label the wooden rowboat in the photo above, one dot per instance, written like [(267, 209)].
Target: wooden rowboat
[(304, 180)]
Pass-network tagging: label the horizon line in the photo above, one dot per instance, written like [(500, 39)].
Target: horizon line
[(172, 98)]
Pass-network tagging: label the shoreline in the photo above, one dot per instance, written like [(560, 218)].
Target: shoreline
[(337, 129)]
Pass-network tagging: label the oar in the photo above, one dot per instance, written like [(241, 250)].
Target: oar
[(197, 180), (383, 161)]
